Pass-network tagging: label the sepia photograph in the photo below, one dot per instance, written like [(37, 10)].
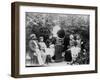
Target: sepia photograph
[(55, 39)]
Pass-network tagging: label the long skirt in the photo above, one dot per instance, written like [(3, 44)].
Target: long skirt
[(39, 57)]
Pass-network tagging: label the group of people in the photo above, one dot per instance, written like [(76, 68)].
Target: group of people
[(54, 49), (74, 48), (76, 52), (38, 50)]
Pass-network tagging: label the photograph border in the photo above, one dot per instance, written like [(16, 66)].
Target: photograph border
[(15, 32)]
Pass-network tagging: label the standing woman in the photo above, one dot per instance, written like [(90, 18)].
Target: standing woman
[(78, 40), (72, 40), (34, 47), (68, 55)]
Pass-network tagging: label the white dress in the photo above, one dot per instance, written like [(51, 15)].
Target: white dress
[(51, 50), (43, 48), (38, 54), (75, 51)]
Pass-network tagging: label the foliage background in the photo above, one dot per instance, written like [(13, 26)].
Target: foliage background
[(43, 24)]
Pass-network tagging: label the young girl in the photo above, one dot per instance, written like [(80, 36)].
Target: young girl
[(75, 50), (43, 47), (50, 52), (52, 49)]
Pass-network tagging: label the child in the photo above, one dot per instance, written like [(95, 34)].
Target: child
[(50, 52), (43, 47), (75, 50)]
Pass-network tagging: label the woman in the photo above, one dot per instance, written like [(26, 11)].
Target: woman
[(78, 40), (35, 51), (70, 42)]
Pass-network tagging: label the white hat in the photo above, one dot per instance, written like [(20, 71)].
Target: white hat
[(33, 36)]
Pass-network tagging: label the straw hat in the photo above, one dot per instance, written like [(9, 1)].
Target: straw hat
[(33, 36)]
